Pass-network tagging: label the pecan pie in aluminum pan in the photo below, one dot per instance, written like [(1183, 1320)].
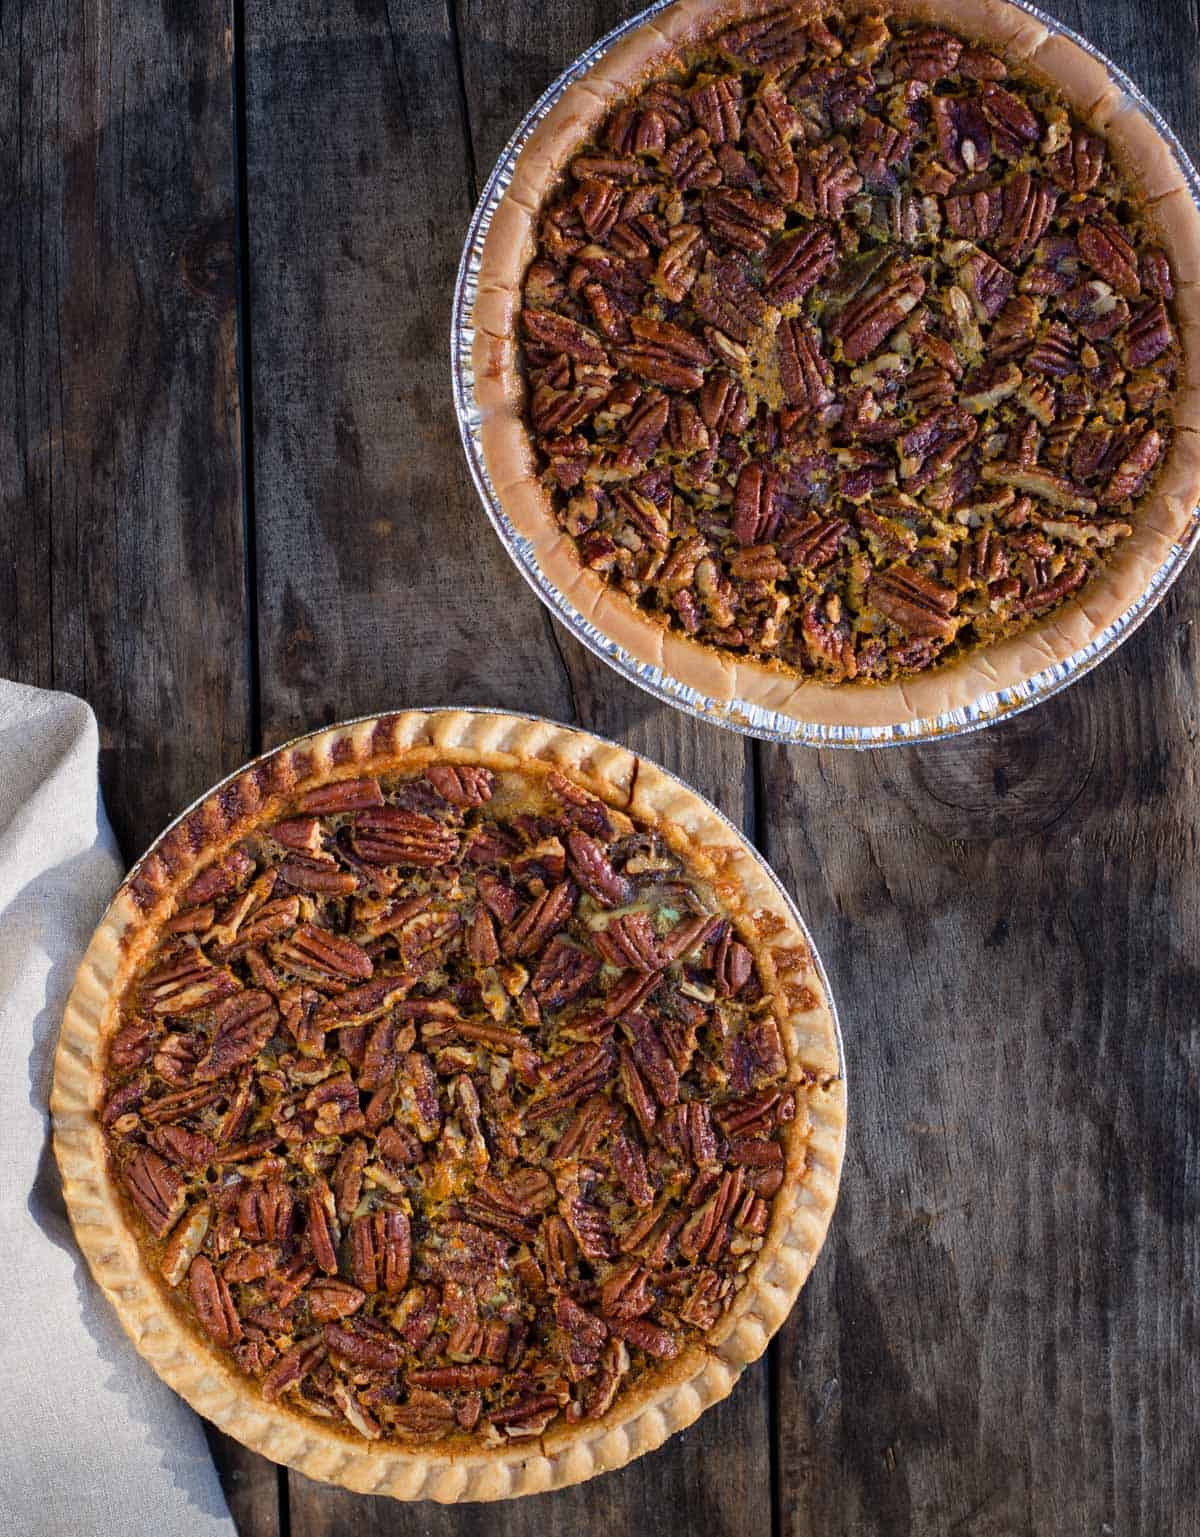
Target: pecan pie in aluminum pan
[(834, 371), (451, 1105)]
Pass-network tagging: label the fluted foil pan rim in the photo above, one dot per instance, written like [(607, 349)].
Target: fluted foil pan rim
[(742, 715)]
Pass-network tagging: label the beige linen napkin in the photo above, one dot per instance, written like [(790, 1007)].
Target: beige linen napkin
[(91, 1442)]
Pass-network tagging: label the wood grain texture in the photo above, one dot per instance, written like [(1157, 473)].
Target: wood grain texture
[(120, 477), (1002, 1339), (121, 528), (380, 584)]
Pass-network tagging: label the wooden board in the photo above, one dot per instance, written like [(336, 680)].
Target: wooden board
[(120, 472), (1002, 1336), (997, 1339), (122, 572), (379, 584)]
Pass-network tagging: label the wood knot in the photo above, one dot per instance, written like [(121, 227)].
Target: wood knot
[(206, 262), (1013, 779)]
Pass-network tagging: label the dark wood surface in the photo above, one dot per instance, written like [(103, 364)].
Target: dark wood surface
[(233, 507)]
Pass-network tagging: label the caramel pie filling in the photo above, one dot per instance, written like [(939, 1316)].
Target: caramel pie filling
[(451, 1105)]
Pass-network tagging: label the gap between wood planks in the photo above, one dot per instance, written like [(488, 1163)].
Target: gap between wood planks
[(245, 375), (245, 367)]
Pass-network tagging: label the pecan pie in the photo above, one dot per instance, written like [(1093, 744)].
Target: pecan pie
[(844, 361), (450, 1105)]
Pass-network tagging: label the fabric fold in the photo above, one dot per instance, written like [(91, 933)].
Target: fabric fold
[(90, 1440)]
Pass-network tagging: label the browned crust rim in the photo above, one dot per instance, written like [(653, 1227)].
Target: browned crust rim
[(1166, 518), (668, 1399)]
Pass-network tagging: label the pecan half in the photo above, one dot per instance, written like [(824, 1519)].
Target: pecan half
[(184, 987), (741, 219), (213, 1304), (1077, 166), (266, 1211), (1134, 469), (927, 55), (804, 372), (754, 504), (1029, 206), (879, 148), (462, 784), (629, 942), (666, 354), (915, 603), (870, 319), (962, 132), (771, 125), (342, 795), (717, 106), (156, 1189), (290, 1370), (1104, 247), (988, 284), (656, 1341), (218, 879), (976, 215), (797, 262), (188, 1149), (729, 301), (679, 263), (1013, 125), (772, 41), (564, 971), (390, 835), (1147, 336), (330, 1300), (1055, 489), (185, 1243), (592, 868), (425, 1417), (543, 918), (380, 1253), (559, 335)]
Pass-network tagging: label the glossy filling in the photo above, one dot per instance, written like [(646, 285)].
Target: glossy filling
[(450, 1105), (845, 350)]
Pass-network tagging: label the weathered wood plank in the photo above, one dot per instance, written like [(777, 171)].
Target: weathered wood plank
[(1002, 1338), (380, 583), (120, 473), (121, 544)]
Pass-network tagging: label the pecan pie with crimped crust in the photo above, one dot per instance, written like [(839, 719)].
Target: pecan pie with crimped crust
[(846, 348), (450, 1100)]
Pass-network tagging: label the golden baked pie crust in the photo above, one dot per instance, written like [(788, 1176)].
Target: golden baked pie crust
[(1166, 517), (666, 1398)]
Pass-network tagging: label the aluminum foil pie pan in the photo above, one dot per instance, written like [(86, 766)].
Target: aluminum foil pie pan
[(746, 716)]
